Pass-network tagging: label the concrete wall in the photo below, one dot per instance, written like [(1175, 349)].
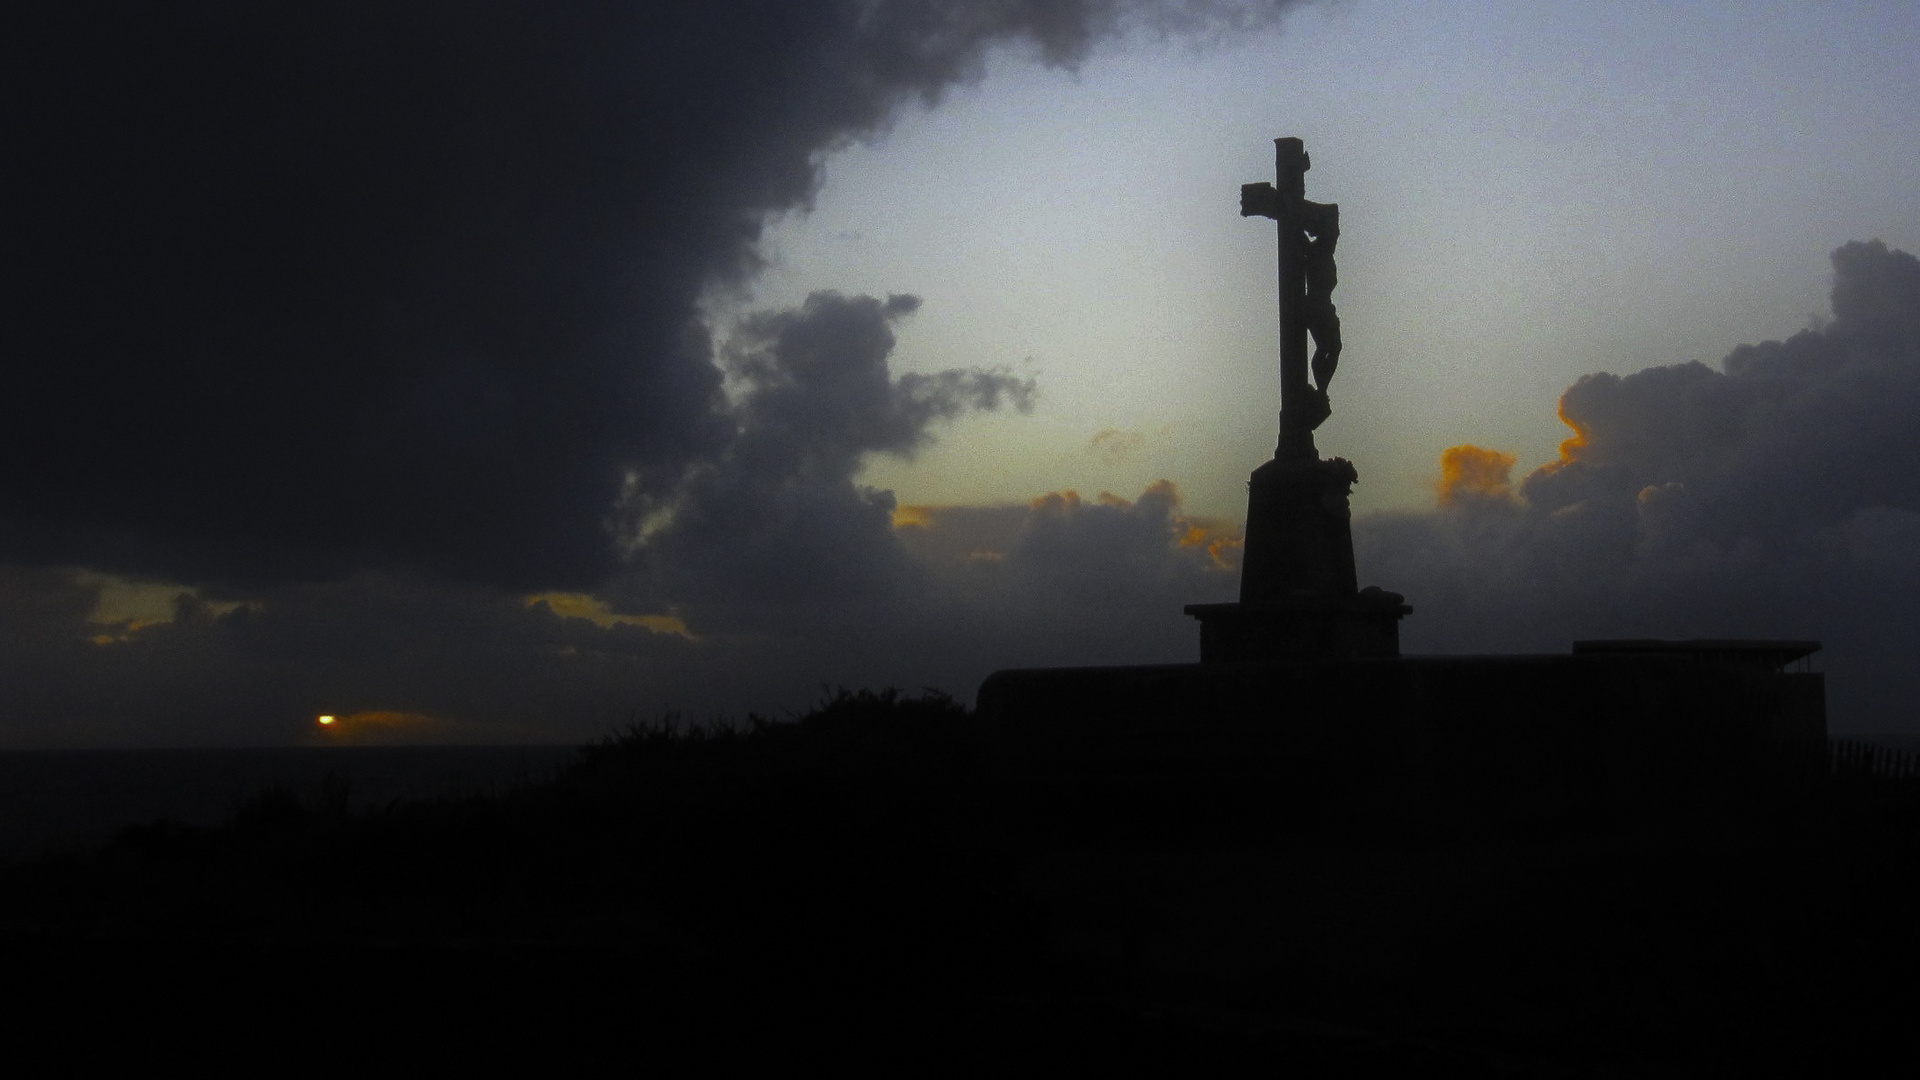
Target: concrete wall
[(1434, 744)]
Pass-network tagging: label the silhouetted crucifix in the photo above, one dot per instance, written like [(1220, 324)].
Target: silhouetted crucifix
[(1308, 233)]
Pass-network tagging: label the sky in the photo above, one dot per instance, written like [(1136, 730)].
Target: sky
[(513, 374)]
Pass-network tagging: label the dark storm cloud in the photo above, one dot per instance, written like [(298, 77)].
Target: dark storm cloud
[(820, 393), (1792, 434), (378, 317), (1777, 496), (299, 290), (775, 521)]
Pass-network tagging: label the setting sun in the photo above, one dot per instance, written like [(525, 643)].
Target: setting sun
[(325, 720)]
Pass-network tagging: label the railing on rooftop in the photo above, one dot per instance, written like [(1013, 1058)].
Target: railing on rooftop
[(1852, 757)]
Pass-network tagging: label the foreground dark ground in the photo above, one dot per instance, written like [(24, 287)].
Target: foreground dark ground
[(861, 887)]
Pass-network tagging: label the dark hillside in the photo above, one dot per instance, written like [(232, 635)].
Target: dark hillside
[(865, 885)]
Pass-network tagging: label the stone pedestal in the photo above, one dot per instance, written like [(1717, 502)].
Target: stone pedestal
[(1298, 594), (1361, 627), (1299, 540)]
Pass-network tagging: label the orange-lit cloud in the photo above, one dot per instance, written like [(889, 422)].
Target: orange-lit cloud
[(962, 533), (1067, 500), (988, 533), (1570, 447), (1221, 538), (913, 517), (948, 534), (1474, 472), (595, 611)]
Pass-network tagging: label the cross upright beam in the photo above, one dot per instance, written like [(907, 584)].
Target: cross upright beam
[(1302, 405)]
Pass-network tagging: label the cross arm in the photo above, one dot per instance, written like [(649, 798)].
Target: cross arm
[(1259, 200)]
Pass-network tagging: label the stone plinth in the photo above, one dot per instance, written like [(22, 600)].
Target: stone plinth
[(1298, 599), (1360, 627)]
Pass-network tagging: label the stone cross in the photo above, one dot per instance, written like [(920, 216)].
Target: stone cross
[(1308, 232), (1299, 595)]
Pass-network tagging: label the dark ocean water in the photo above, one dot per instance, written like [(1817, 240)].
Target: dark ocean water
[(53, 799)]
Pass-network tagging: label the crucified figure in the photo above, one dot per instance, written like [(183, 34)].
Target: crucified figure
[(1321, 223), (1309, 232)]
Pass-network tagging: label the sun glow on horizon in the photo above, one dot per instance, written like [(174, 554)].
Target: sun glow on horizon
[(388, 726)]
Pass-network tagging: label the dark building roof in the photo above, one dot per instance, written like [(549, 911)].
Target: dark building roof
[(1737, 651)]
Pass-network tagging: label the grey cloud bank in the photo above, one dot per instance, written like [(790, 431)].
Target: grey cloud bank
[(1778, 496)]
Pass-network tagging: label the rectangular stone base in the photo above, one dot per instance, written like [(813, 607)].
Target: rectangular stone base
[(1362, 627)]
